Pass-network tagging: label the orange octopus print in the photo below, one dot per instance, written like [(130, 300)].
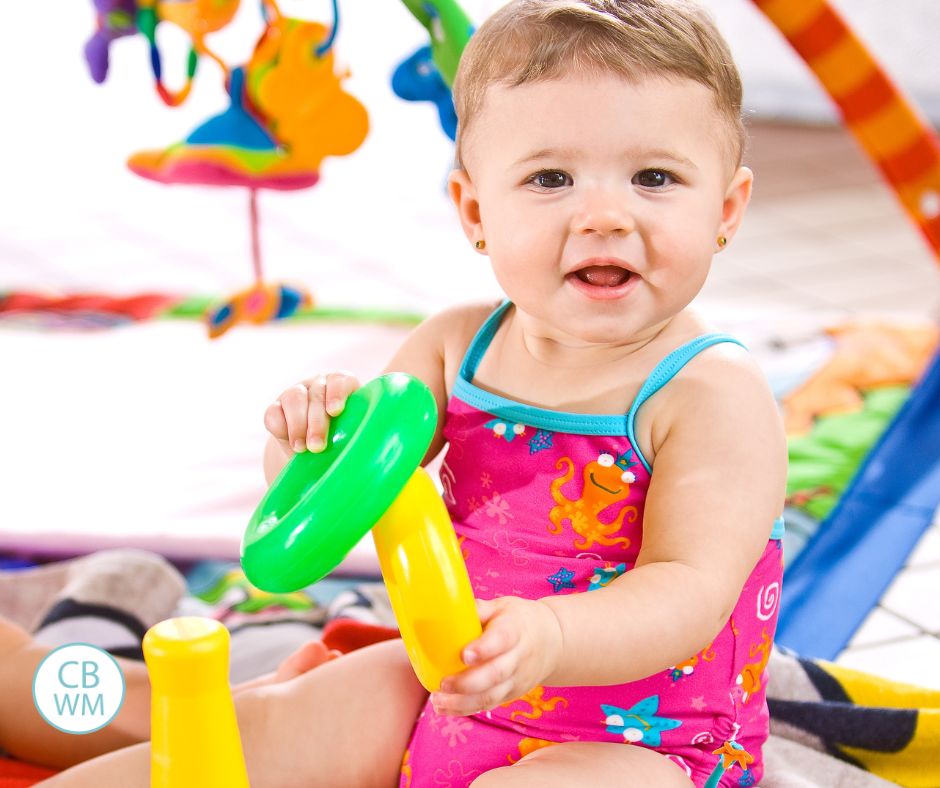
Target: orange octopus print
[(606, 482)]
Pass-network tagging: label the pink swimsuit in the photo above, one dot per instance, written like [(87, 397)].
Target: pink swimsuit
[(545, 502)]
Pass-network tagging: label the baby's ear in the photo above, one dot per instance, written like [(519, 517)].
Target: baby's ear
[(464, 194), (737, 196)]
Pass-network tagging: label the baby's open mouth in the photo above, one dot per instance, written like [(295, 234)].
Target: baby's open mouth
[(603, 275)]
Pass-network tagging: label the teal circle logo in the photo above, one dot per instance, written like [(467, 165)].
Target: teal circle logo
[(78, 688)]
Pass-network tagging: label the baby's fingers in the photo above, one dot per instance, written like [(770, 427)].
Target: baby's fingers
[(274, 421), (317, 422), (293, 404), (482, 678), (499, 636), (327, 397), (339, 385), (463, 705)]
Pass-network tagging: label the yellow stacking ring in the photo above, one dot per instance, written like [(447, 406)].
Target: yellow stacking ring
[(427, 581)]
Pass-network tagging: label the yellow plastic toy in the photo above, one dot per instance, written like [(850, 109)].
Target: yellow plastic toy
[(194, 733), (427, 580)]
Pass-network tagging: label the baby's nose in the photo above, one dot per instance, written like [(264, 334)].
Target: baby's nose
[(603, 212)]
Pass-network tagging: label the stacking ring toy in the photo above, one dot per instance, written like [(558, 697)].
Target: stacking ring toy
[(322, 504), (427, 581)]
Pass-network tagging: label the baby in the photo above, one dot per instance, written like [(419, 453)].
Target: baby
[(598, 166), (614, 468)]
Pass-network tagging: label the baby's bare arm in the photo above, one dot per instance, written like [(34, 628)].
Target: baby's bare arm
[(718, 484)]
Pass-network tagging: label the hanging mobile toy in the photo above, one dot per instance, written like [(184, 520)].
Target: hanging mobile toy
[(428, 73), (115, 19), (119, 18), (287, 112), (196, 17)]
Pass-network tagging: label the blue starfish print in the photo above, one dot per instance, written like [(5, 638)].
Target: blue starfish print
[(639, 724), (561, 580), (540, 441)]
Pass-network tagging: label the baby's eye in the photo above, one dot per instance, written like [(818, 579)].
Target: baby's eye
[(551, 179), (654, 179)]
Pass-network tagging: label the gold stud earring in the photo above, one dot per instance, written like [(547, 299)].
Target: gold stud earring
[(480, 245), (722, 242)]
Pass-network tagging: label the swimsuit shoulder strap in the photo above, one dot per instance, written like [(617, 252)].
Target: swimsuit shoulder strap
[(665, 371)]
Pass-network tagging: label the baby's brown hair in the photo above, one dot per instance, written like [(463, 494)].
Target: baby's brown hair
[(532, 40)]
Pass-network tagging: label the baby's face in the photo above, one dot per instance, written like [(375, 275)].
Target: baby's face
[(600, 200)]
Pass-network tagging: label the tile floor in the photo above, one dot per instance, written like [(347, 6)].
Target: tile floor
[(825, 240)]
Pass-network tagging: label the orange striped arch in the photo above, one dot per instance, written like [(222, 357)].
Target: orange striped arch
[(888, 127)]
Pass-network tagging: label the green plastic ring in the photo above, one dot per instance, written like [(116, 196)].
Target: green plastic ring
[(322, 504)]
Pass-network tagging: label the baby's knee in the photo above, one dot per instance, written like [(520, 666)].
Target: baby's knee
[(587, 764), (531, 770), (499, 778)]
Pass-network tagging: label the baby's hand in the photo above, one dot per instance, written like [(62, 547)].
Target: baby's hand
[(300, 418), (519, 648)]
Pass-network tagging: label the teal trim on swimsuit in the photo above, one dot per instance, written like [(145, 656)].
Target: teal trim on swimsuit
[(481, 341), (615, 425), (510, 410), (540, 418)]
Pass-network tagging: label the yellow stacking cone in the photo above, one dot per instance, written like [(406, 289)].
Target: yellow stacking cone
[(194, 733)]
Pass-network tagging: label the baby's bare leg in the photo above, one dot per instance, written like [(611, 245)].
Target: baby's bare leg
[(588, 764), (24, 733), (345, 723)]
